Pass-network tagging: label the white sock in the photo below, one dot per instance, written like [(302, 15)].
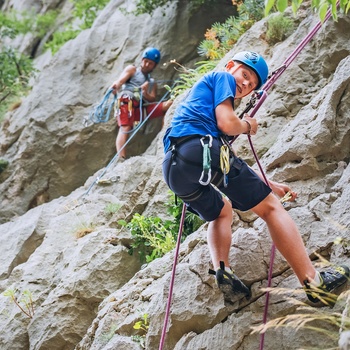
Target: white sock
[(228, 269), (317, 280)]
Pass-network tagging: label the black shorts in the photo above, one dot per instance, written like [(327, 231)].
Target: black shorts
[(182, 170)]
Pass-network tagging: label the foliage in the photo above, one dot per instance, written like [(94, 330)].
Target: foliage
[(24, 301), (189, 76), (320, 320), (3, 165), (149, 6), (112, 208), (87, 11), (154, 237), (279, 28), (174, 208), (16, 68), (220, 38), (320, 6), (143, 326), (59, 38)]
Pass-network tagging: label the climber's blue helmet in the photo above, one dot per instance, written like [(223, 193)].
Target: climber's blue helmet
[(151, 53), (256, 62)]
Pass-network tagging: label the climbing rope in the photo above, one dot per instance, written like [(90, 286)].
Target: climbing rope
[(101, 112), (255, 102)]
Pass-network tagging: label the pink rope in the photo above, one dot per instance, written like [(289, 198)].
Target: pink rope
[(172, 280), (266, 87)]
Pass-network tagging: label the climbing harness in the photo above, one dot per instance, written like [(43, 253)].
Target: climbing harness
[(256, 101), (206, 160)]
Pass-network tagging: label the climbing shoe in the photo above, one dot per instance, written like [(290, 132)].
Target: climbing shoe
[(330, 280), (229, 282)]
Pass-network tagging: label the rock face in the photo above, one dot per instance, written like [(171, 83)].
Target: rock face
[(71, 254), (76, 78)]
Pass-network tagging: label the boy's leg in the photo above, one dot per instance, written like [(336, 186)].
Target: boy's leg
[(219, 236), (286, 237), (122, 137)]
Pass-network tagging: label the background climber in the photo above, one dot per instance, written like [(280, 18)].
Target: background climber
[(137, 92)]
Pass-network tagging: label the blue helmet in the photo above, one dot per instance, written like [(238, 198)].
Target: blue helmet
[(152, 54), (256, 62)]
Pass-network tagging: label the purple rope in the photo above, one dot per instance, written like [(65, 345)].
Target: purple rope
[(266, 87), (172, 280)]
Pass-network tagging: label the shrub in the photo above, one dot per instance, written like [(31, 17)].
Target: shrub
[(279, 28)]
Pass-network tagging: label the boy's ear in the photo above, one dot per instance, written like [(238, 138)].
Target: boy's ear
[(230, 64)]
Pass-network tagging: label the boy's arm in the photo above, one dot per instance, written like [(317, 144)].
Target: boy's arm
[(229, 122), (126, 74)]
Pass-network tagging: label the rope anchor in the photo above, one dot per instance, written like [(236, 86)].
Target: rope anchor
[(206, 160)]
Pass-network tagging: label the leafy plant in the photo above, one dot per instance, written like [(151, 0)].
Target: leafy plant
[(320, 6), (279, 28), (154, 237), (112, 208), (3, 165), (142, 326), (87, 10), (149, 6), (59, 38), (189, 76), (24, 301), (220, 38)]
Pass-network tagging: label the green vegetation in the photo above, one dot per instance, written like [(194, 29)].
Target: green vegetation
[(23, 301), (154, 237), (3, 165), (220, 38), (324, 321), (278, 28), (320, 6), (84, 10), (141, 326), (112, 208)]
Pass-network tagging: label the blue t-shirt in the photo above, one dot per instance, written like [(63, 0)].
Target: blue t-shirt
[(196, 114)]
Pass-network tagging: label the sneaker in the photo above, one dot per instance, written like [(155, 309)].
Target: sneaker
[(331, 280), (229, 282)]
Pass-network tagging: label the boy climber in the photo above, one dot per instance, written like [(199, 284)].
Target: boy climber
[(204, 121), (135, 87)]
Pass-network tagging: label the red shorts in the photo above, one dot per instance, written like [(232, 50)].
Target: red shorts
[(124, 119)]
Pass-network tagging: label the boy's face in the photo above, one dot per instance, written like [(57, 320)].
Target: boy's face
[(246, 79), (147, 65)]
